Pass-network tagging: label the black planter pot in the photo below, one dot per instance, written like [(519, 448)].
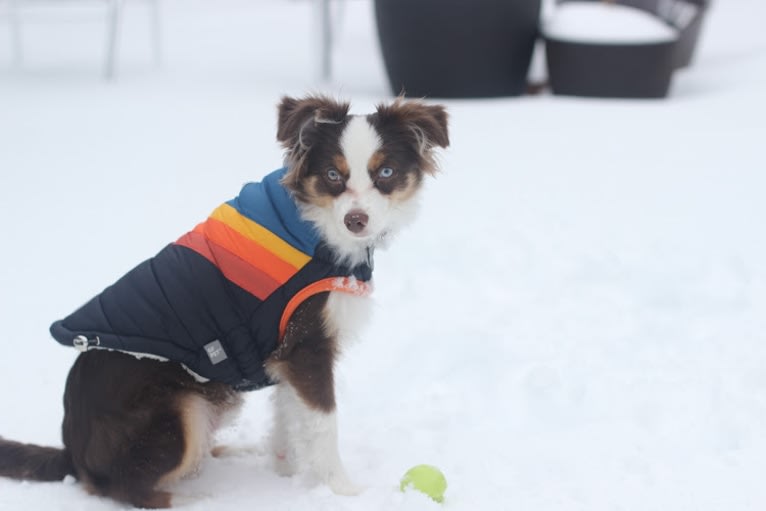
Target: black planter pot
[(690, 33), (639, 70), (685, 15), (610, 71), (457, 48)]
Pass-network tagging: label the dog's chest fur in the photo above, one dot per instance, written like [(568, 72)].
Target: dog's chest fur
[(346, 315)]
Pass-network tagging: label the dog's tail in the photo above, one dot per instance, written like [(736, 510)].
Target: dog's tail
[(33, 462)]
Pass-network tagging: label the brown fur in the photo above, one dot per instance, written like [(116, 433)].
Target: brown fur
[(415, 126), (133, 426), (307, 356), (33, 462), (314, 190), (125, 425), (308, 129)]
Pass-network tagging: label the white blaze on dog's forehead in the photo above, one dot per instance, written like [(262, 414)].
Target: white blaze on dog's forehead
[(359, 142)]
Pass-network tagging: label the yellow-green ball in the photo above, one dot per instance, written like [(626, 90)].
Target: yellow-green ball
[(426, 479)]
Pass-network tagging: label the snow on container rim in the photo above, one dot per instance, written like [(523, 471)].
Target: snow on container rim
[(606, 23)]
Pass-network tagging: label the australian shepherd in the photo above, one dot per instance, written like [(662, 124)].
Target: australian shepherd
[(135, 425)]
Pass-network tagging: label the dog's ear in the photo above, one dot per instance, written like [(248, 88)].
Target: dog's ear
[(428, 123), (298, 119)]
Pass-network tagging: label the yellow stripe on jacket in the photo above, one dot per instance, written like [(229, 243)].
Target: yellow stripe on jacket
[(260, 235)]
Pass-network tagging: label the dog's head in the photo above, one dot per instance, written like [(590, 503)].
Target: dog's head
[(357, 177)]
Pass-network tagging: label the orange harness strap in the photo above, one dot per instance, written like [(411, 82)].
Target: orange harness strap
[(340, 284)]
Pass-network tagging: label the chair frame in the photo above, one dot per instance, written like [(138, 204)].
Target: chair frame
[(114, 16)]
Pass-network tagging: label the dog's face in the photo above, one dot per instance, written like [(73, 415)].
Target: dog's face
[(357, 177)]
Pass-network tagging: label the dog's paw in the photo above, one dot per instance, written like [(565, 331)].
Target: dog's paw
[(283, 465), (344, 486)]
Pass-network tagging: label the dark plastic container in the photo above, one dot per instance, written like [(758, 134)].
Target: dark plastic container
[(610, 71), (685, 15), (457, 48), (631, 70), (690, 33)]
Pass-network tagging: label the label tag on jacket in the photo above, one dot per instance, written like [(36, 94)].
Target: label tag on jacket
[(215, 351)]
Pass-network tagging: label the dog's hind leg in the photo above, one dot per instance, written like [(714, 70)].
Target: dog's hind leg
[(133, 470), (169, 446), (141, 426)]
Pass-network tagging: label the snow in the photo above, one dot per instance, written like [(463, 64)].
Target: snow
[(602, 22), (576, 320)]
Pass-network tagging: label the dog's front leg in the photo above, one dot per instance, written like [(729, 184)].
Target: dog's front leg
[(322, 452), (308, 437), (285, 425), (305, 430)]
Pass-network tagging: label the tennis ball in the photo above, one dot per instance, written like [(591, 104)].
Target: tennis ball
[(426, 479)]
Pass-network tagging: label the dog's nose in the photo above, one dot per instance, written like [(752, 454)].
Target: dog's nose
[(356, 221)]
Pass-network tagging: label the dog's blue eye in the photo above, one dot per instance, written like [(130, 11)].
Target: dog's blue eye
[(333, 175), (386, 172)]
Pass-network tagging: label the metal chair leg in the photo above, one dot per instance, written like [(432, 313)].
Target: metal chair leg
[(325, 39), (114, 21), (327, 28), (15, 31), (156, 31)]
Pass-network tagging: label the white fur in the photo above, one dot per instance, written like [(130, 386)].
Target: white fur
[(359, 142), (346, 315), (307, 439)]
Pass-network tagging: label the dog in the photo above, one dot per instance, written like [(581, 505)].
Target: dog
[(261, 293)]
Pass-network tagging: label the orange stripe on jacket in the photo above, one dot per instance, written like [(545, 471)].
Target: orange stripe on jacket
[(234, 268), (248, 250), (254, 231)]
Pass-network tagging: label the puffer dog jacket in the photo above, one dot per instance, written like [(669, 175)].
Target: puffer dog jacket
[(213, 300)]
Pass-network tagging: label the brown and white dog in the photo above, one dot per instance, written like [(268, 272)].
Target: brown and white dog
[(133, 426)]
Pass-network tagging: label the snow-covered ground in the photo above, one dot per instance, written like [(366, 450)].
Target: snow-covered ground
[(576, 321)]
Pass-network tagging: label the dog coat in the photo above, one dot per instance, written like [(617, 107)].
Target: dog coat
[(218, 299)]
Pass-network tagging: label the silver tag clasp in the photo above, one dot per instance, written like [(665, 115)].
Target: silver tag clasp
[(82, 343)]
